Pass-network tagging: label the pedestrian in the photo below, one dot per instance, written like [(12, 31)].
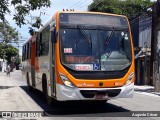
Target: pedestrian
[(8, 70)]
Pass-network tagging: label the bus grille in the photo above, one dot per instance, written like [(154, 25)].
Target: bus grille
[(92, 93)]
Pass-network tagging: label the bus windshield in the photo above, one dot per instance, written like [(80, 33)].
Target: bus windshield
[(84, 49)]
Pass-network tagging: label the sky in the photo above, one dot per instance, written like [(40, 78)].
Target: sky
[(56, 5)]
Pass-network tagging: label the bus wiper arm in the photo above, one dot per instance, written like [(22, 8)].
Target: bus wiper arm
[(87, 38), (108, 39)]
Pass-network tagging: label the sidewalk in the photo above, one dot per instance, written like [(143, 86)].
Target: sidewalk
[(12, 96), (147, 90)]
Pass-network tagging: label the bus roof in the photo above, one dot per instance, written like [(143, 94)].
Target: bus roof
[(88, 12)]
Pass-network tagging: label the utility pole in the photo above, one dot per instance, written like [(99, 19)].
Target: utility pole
[(152, 69), (155, 63)]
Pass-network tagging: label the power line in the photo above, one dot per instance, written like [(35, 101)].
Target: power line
[(75, 4), (80, 3)]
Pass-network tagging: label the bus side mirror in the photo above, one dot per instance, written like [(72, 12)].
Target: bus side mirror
[(54, 36)]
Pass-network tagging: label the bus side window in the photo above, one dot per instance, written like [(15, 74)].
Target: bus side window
[(42, 49), (26, 51), (24, 56), (28, 47), (38, 45), (23, 53), (30, 50), (45, 41)]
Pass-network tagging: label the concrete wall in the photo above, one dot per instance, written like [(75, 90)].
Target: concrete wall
[(3, 65)]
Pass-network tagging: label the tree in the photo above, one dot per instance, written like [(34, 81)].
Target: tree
[(129, 8), (23, 8), (7, 33), (9, 52), (17, 62), (1, 51)]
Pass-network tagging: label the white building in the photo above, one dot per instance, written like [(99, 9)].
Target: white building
[(3, 65)]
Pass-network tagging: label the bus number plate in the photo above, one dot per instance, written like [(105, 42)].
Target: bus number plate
[(99, 96)]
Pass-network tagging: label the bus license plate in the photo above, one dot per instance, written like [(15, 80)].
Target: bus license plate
[(101, 96)]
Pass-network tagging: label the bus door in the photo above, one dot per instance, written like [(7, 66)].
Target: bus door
[(52, 63), (33, 56)]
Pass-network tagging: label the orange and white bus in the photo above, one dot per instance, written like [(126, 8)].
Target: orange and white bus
[(81, 56)]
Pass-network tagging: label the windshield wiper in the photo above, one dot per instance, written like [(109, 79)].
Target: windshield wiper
[(87, 38), (108, 39)]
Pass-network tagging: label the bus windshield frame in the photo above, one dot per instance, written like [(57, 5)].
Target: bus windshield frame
[(93, 38)]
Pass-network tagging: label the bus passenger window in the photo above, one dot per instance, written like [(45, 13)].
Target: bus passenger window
[(45, 41)]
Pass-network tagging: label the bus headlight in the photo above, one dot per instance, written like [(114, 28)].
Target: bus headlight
[(129, 80), (65, 80)]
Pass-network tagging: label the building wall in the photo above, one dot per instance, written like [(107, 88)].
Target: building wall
[(3, 65), (142, 31), (145, 30)]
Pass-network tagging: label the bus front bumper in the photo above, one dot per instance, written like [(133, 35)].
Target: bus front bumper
[(65, 93)]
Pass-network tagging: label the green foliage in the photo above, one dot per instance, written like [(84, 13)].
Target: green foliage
[(1, 56), (9, 51), (23, 9), (129, 8), (7, 33), (4, 9), (17, 61), (38, 22)]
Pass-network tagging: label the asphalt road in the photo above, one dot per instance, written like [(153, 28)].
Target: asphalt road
[(14, 96)]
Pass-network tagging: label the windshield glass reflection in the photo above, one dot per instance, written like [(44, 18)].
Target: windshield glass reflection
[(91, 50)]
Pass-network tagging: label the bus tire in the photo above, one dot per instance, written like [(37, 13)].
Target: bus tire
[(28, 83), (55, 102), (48, 99)]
